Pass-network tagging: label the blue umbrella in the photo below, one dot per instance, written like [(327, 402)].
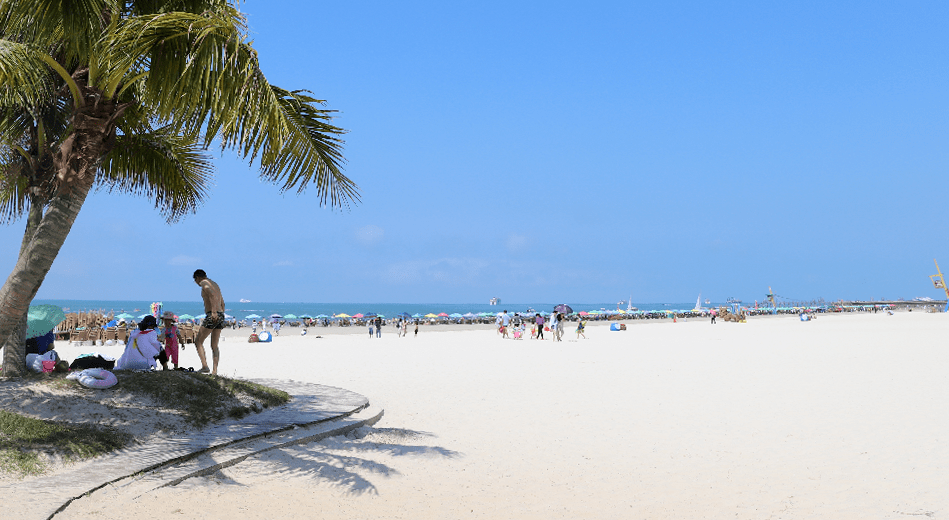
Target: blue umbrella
[(251, 317)]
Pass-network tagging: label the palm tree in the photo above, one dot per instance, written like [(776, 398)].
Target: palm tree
[(126, 96)]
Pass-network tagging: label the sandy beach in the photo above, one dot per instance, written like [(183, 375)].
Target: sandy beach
[(841, 417)]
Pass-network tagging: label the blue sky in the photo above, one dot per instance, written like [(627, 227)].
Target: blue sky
[(565, 151)]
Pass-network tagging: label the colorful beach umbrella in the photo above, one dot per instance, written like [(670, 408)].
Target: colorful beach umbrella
[(291, 317), (358, 315), (342, 316), (252, 317)]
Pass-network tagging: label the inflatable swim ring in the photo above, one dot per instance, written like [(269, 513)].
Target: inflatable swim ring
[(264, 337), (97, 378)]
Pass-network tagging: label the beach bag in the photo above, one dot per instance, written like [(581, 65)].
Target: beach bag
[(253, 338)]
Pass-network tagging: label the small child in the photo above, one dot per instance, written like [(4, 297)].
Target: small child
[(580, 329), (171, 339)]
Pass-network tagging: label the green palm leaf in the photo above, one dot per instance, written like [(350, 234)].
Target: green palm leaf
[(170, 169)]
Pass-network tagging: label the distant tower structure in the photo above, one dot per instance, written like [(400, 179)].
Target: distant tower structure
[(940, 283), (770, 296)]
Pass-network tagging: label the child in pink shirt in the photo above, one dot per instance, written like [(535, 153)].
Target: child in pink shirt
[(171, 338)]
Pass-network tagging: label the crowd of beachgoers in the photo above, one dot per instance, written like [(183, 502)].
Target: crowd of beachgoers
[(100, 319)]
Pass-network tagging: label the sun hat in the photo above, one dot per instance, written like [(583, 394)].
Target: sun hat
[(168, 315)]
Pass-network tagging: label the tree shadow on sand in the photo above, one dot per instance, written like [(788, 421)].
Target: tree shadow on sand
[(323, 462)]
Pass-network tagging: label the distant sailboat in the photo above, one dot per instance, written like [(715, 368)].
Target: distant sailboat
[(698, 303)]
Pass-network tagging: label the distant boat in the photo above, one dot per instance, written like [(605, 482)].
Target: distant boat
[(698, 303), (707, 301), (494, 301), (923, 299), (244, 301)]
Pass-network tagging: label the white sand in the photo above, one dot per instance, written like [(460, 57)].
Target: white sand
[(843, 417)]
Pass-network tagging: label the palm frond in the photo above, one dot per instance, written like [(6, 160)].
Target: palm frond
[(67, 29), (204, 75), (14, 188), (172, 170), (25, 78)]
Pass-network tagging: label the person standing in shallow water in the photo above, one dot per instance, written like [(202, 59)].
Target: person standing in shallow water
[(214, 320)]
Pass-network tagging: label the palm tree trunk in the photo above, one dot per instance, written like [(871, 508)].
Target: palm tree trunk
[(35, 260), (76, 162)]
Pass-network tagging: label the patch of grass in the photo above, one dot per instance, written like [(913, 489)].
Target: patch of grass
[(23, 438), (203, 398)]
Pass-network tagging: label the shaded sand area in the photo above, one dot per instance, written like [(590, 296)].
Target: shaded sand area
[(842, 417)]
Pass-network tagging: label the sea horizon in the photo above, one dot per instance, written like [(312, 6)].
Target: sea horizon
[(242, 309)]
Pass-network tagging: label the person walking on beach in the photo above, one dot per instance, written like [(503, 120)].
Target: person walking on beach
[(378, 326), (505, 321), (214, 320), (416, 328), (370, 329), (560, 319), (539, 320), (553, 326), (581, 327)]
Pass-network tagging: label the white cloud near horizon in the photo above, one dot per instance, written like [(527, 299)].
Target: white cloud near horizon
[(184, 260), (370, 235), (448, 271)]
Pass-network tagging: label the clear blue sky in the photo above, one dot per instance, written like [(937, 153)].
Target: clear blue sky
[(565, 151)]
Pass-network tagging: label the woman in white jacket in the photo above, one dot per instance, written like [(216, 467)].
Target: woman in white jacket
[(143, 347)]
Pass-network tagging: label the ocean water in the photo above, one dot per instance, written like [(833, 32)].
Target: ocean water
[(266, 309)]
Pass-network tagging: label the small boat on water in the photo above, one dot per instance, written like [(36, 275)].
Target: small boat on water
[(244, 301), (494, 301)]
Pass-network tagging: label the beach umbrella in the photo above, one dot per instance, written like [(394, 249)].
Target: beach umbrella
[(469, 315), (252, 317), (403, 314), (291, 317), (124, 316), (343, 316), (322, 316), (200, 317), (358, 315), (455, 315), (41, 319), (184, 317), (564, 308), (275, 316), (442, 315), (370, 315), (416, 315), (305, 316), (143, 316), (430, 315)]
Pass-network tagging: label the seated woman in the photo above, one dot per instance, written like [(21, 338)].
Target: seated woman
[(143, 347)]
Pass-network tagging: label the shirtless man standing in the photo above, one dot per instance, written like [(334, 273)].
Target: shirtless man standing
[(213, 322)]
